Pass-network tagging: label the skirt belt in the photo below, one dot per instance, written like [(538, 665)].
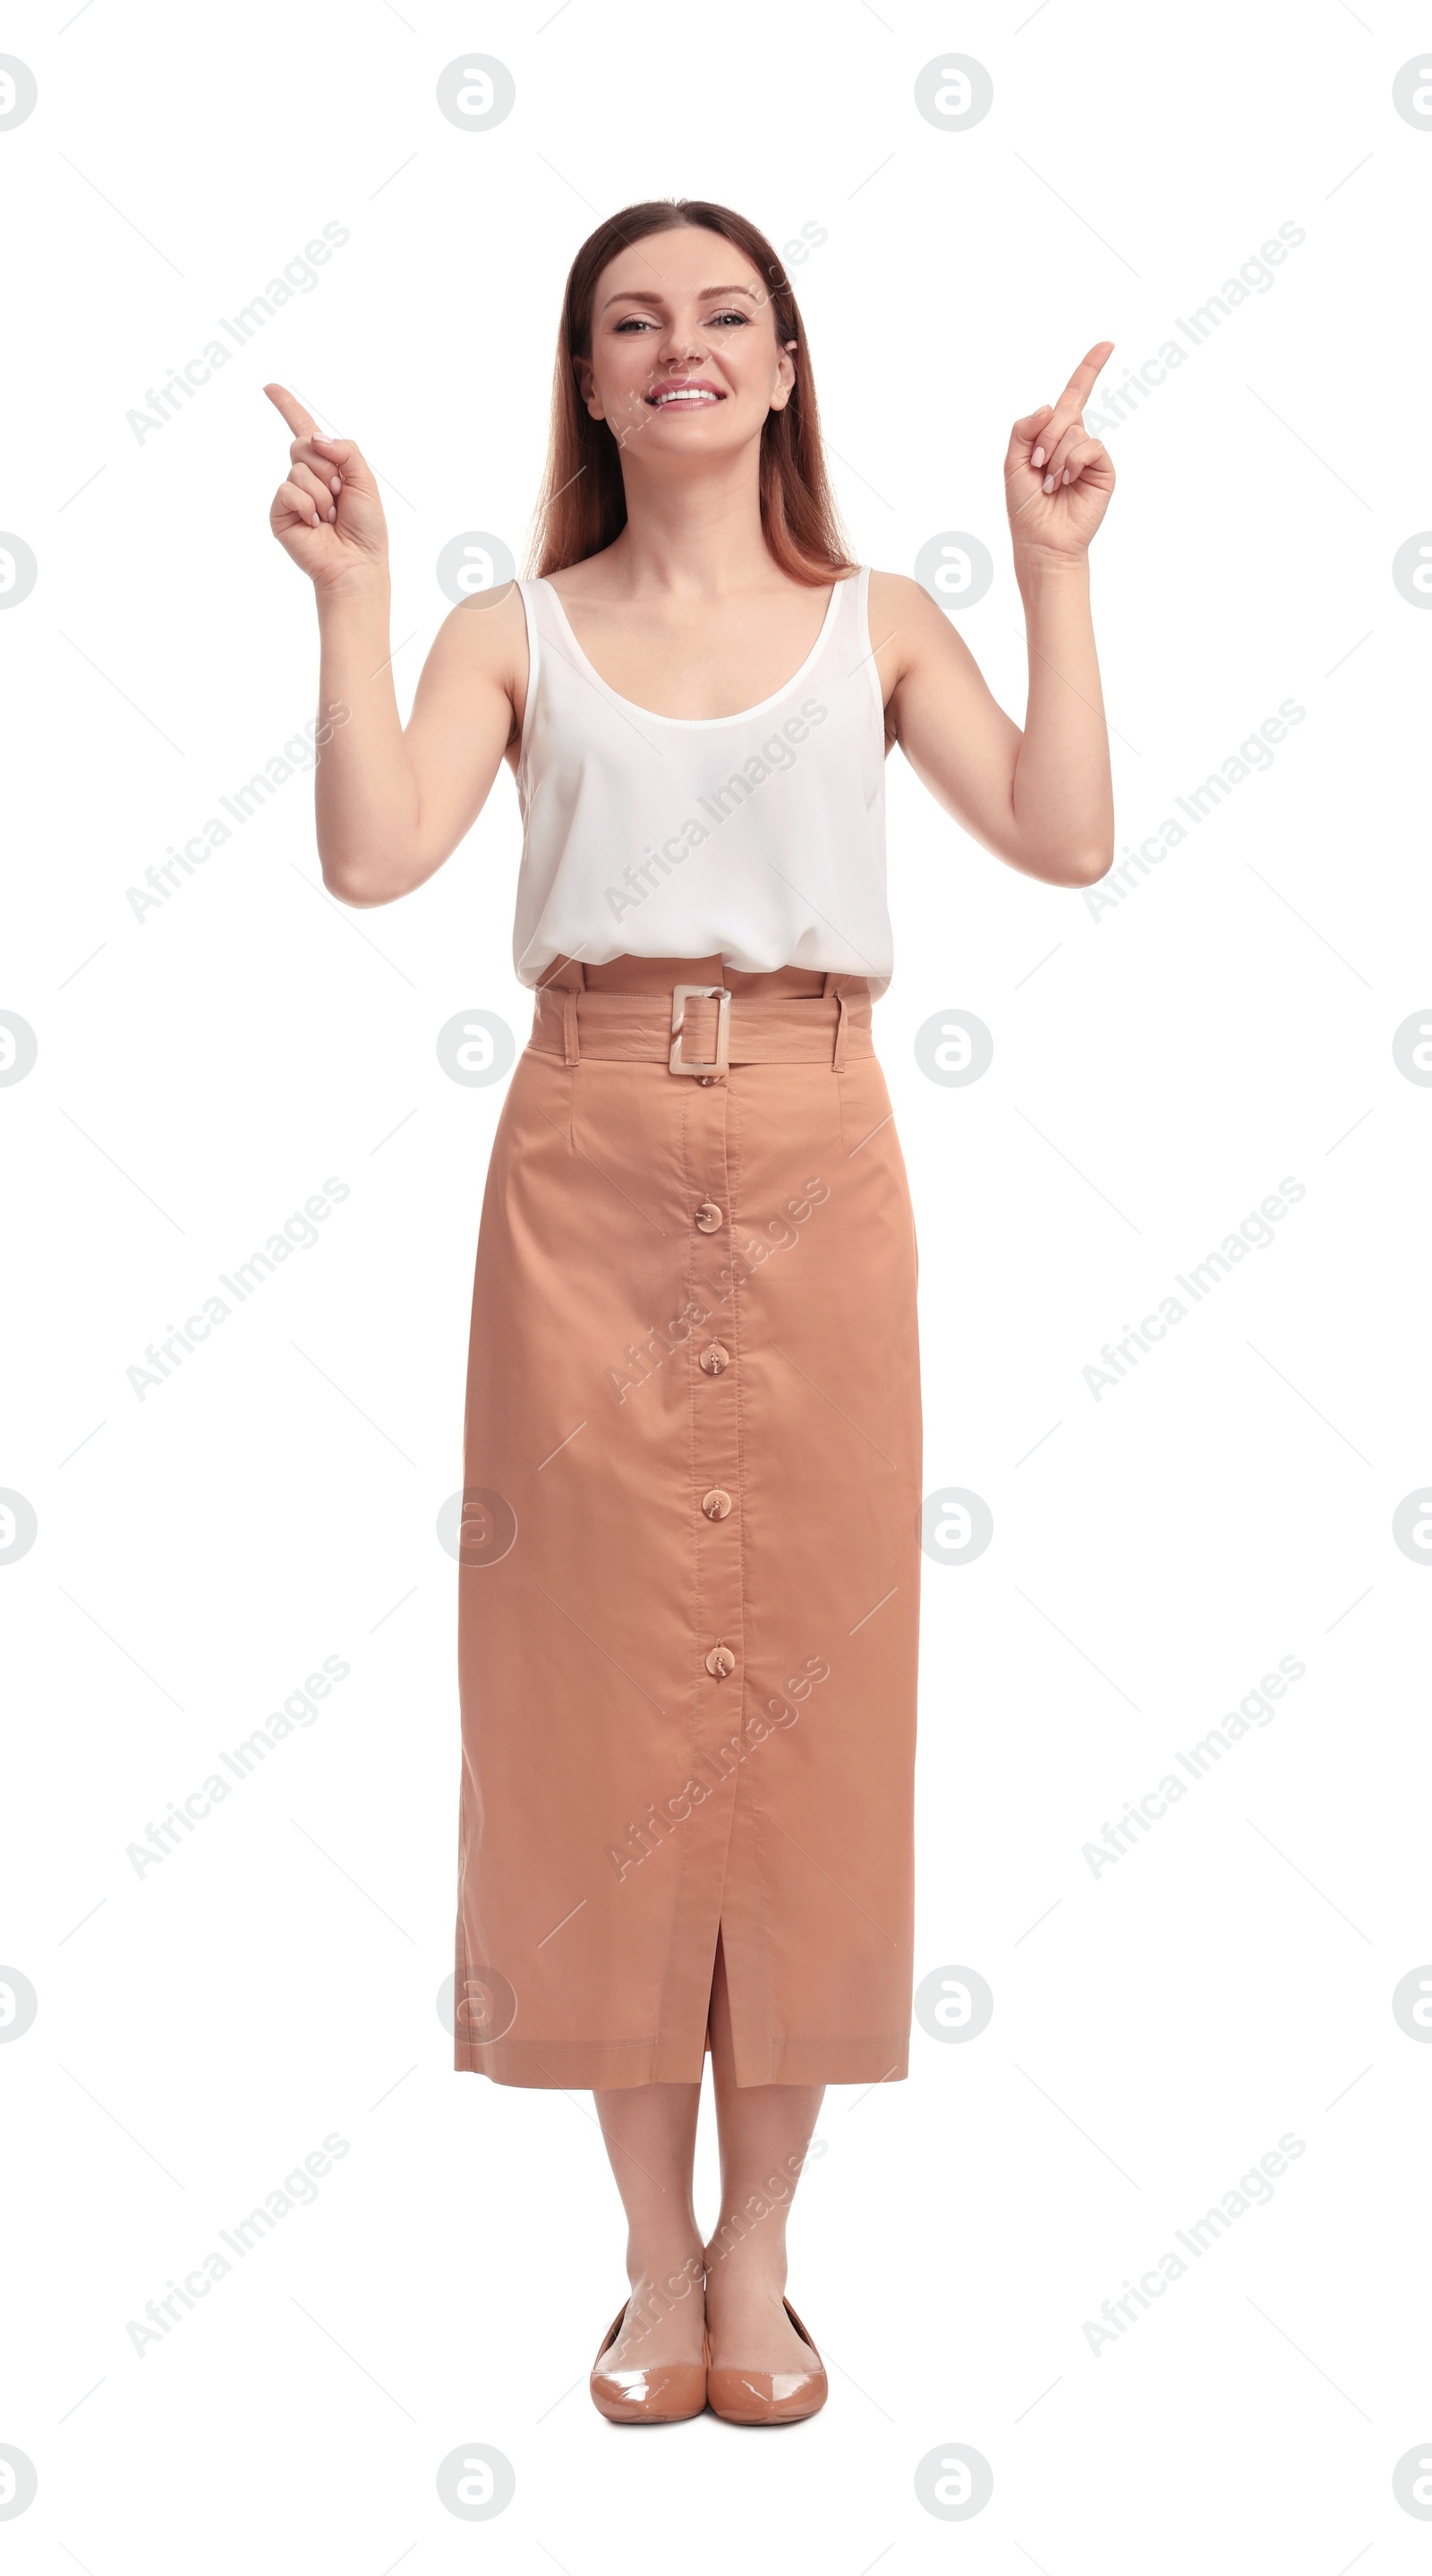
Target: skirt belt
[(702, 1031)]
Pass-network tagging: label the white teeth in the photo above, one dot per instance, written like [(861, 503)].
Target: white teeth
[(695, 394)]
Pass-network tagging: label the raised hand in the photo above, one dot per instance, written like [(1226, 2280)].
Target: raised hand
[(327, 514), (1057, 479)]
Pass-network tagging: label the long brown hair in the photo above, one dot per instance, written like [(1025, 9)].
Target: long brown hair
[(582, 506)]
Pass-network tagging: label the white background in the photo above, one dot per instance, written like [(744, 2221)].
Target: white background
[(1158, 1069)]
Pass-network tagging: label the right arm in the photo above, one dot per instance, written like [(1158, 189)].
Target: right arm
[(391, 805)]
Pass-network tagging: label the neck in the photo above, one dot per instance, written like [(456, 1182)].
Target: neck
[(696, 537)]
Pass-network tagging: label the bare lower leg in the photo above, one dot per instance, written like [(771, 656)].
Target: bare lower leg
[(650, 2132), (764, 2131)]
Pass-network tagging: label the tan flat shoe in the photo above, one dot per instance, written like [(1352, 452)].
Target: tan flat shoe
[(766, 2396), (662, 2392)]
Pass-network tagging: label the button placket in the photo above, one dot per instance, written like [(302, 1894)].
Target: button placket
[(715, 1454)]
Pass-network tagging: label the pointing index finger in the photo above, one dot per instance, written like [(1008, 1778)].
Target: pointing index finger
[(293, 412), (1081, 383)]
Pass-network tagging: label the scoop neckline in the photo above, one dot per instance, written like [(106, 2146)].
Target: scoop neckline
[(700, 723)]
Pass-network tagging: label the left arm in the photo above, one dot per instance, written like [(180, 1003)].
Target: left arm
[(1040, 799)]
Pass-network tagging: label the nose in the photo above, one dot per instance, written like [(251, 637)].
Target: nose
[(681, 345)]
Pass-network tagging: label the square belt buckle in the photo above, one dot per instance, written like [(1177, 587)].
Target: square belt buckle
[(718, 994)]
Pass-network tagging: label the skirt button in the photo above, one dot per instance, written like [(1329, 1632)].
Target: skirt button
[(716, 1504), (714, 1358), (720, 1662), (708, 1216)]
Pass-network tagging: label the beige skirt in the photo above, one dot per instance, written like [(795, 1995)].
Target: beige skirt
[(689, 1552)]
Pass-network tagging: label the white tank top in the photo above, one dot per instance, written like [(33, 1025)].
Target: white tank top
[(758, 838)]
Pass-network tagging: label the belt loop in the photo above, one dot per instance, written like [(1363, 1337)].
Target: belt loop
[(574, 981), (835, 988)]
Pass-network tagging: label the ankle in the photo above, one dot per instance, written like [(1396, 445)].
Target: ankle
[(663, 2276), (755, 2256)]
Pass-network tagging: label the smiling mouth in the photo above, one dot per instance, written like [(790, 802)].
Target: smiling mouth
[(684, 397)]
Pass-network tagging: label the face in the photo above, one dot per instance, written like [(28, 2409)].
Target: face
[(684, 358)]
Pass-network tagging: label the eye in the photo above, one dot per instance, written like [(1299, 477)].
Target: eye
[(634, 322), (733, 316)]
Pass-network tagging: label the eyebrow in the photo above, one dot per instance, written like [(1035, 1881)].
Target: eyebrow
[(635, 295)]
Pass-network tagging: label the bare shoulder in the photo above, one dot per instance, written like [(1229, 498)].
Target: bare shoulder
[(896, 592), (481, 646), (911, 639), (487, 631), (903, 609)]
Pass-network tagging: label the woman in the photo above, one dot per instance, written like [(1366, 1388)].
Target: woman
[(689, 1553)]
